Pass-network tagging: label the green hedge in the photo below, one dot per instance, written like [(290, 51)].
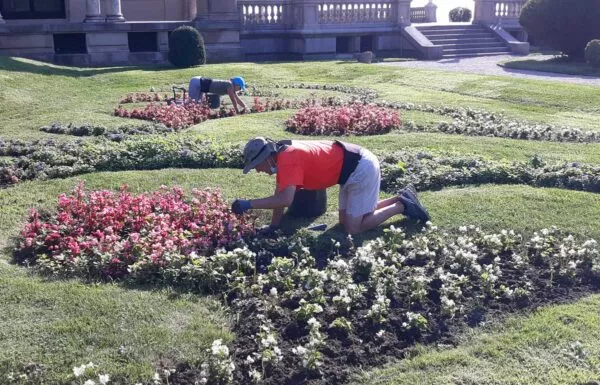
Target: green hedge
[(592, 52), (186, 47), (565, 25)]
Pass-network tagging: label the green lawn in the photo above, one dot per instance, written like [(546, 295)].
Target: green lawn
[(127, 332), (62, 324), (35, 94), (524, 350), (556, 65)]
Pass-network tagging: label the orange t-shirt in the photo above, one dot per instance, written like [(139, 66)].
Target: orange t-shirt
[(312, 165)]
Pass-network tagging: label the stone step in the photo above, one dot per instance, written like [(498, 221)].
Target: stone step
[(475, 40), (458, 35), (457, 30), (474, 46), (457, 51), (448, 27), (452, 56)]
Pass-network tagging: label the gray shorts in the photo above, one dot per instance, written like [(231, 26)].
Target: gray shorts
[(194, 88), (360, 194)]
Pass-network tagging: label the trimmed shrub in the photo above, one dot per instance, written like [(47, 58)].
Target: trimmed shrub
[(186, 47), (460, 14), (562, 25), (592, 53)]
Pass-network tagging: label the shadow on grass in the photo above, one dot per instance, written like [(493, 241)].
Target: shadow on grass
[(556, 66), (16, 64)]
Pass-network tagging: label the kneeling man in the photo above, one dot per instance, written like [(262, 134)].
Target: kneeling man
[(317, 165)]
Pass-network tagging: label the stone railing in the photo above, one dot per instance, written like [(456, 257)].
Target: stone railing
[(508, 9), (418, 15), (356, 12), (498, 11), (264, 13)]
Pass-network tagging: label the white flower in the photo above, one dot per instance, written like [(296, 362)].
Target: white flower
[(219, 349), (90, 365), (255, 375), (299, 350), (313, 322), (249, 360), (380, 333), (79, 370), (90, 382), (103, 379), (273, 291)]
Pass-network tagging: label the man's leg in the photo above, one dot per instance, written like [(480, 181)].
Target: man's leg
[(355, 225), (387, 202), (342, 217)]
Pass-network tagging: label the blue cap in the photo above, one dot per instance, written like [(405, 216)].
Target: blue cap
[(239, 81)]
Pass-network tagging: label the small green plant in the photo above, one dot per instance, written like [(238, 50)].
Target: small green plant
[(592, 53), (186, 47), (460, 14)]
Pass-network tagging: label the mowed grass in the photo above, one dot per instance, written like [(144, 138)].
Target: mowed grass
[(540, 349), (240, 129), (127, 332), (34, 94), (61, 324)]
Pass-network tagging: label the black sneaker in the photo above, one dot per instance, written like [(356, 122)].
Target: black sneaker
[(412, 207)]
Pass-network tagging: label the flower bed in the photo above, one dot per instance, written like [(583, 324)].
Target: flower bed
[(48, 159), (350, 119), (116, 134), (298, 322), (107, 234), (180, 116), (427, 171)]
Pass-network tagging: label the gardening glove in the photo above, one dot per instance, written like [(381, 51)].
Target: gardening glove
[(267, 231), (240, 206)]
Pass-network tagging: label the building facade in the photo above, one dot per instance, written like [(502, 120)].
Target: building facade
[(102, 32)]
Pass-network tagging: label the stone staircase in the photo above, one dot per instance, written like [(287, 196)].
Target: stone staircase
[(464, 40)]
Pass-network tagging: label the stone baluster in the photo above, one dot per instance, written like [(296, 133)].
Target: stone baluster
[(93, 13), (113, 14)]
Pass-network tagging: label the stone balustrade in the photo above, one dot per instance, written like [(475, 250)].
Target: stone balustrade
[(418, 15), (498, 11), (356, 12), (264, 13), (508, 9)]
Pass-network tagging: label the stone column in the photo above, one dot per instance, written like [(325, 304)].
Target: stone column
[(190, 10), (114, 15), (402, 12), (201, 9), (93, 13), (431, 11), (1, 19), (484, 11), (223, 11), (306, 14)]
